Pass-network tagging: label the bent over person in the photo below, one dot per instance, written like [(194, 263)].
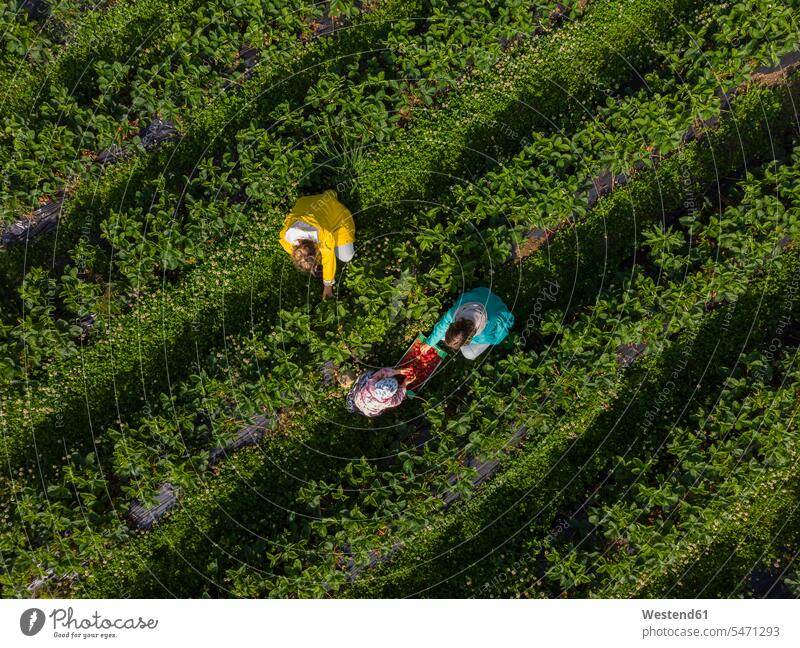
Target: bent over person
[(477, 320), (318, 231)]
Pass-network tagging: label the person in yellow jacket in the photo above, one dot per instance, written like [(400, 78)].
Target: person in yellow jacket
[(318, 231)]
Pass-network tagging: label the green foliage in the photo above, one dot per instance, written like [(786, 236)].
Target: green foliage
[(200, 323), (540, 88)]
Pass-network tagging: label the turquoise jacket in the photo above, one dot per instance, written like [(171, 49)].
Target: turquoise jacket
[(498, 324)]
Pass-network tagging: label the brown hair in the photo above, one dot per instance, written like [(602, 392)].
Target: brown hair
[(459, 333), (305, 256)]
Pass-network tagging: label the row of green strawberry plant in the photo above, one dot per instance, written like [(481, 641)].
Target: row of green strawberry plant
[(142, 240), (81, 515), (564, 371), (546, 88), (69, 406), (580, 371), (741, 236), (757, 430), (330, 88), (755, 552), (371, 491), (696, 164), (118, 32), (409, 46), (744, 525), (34, 33), (184, 65), (723, 253), (433, 64), (169, 239), (707, 510), (636, 131), (701, 508), (658, 239), (517, 512)]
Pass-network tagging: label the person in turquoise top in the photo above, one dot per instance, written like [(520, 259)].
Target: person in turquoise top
[(477, 320)]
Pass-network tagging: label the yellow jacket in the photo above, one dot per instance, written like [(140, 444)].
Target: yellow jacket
[(333, 222)]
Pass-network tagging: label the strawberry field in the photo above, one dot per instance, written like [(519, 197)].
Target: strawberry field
[(624, 174)]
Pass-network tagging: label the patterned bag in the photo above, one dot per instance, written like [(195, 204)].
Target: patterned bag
[(360, 382)]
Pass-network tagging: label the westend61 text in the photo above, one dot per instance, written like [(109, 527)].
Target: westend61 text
[(672, 614)]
